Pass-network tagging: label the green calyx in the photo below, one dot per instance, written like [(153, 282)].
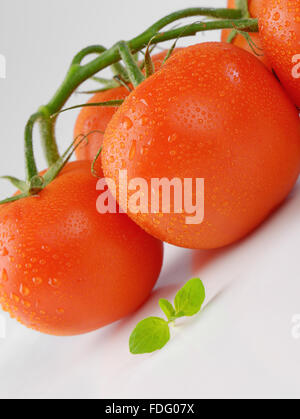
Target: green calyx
[(36, 183)]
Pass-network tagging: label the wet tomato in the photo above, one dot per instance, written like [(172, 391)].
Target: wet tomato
[(279, 22), (64, 268), (212, 112), (93, 119), (241, 41)]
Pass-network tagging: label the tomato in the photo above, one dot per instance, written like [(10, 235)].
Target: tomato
[(212, 112), (279, 23), (96, 118), (93, 119), (64, 268), (240, 40)]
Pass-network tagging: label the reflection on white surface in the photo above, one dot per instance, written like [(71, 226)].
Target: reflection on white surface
[(240, 346)]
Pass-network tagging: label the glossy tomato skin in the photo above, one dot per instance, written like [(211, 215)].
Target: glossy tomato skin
[(97, 118), (93, 119), (212, 112), (279, 23), (67, 270), (240, 40)]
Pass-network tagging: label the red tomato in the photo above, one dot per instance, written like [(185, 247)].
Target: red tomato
[(64, 268), (212, 112), (279, 23), (240, 40), (96, 118)]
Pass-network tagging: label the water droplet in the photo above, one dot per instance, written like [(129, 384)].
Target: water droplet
[(172, 138), (128, 124), (15, 298), (53, 282), (37, 281), (24, 290), (26, 304), (4, 275), (4, 252), (132, 150), (60, 311)]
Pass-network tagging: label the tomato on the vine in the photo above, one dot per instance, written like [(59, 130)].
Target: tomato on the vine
[(241, 41), (212, 112), (64, 268), (93, 119), (279, 23)]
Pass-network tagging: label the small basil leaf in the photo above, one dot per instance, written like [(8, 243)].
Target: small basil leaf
[(149, 336), (167, 308), (190, 298)]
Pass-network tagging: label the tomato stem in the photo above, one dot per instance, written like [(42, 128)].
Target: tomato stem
[(30, 164), (242, 5), (48, 136), (135, 75), (78, 73)]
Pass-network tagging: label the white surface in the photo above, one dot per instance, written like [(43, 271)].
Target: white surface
[(242, 344)]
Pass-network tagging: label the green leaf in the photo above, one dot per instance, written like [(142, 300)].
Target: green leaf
[(167, 308), (190, 298), (149, 336)]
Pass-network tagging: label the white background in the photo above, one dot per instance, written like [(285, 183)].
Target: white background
[(242, 344)]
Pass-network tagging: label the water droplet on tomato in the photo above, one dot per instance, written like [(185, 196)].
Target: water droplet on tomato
[(26, 304), (24, 290), (15, 297), (4, 275), (60, 311), (172, 138), (37, 281), (132, 150), (128, 124), (4, 252), (54, 283)]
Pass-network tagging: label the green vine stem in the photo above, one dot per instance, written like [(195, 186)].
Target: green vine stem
[(135, 75), (243, 6), (30, 164), (78, 73), (47, 135)]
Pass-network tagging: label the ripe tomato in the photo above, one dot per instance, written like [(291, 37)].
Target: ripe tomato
[(240, 40), (279, 23), (212, 112), (64, 268), (96, 118)]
